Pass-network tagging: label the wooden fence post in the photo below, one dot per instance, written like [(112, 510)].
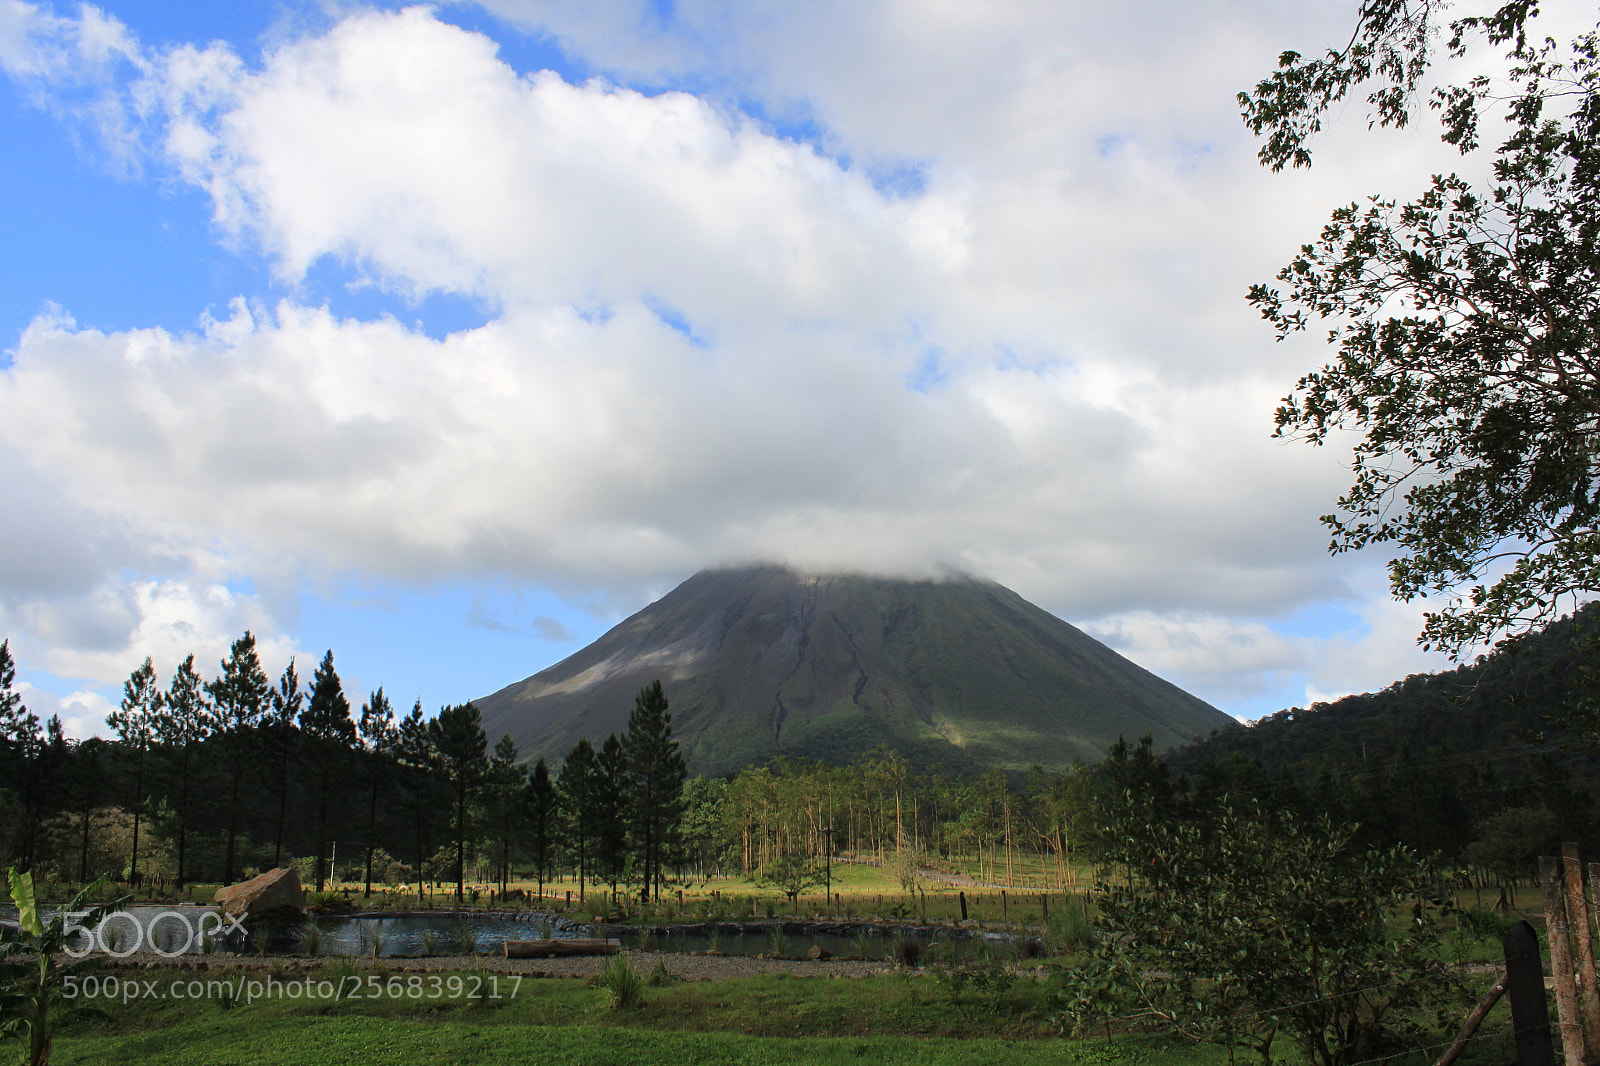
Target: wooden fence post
[(1530, 1015), (962, 896), (1558, 931), (1578, 913)]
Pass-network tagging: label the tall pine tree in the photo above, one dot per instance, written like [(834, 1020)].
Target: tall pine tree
[(380, 738), (135, 723), (655, 773), (575, 787), (543, 809), (185, 722), (461, 751), (329, 738), (239, 700), (281, 742)]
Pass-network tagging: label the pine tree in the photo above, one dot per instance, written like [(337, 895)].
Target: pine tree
[(608, 813), (379, 740), (281, 735), (505, 810), (185, 722), (18, 727), (543, 807), (655, 774), (330, 739), (135, 723), (461, 749), (419, 777), (574, 786), (239, 698)]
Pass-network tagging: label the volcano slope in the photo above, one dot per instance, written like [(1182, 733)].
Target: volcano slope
[(759, 662)]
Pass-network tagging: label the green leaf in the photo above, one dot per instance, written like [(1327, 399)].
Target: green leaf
[(27, 905)]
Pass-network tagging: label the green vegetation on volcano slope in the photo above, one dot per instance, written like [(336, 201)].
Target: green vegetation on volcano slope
[(959, 674)]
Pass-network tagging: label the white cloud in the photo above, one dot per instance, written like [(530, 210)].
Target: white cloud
[(708, 343)]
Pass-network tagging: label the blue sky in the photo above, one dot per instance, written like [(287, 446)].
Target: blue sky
[(447, 337)]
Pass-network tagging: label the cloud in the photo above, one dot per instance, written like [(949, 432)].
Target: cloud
[(82, 713), (989, 316), (1236, 662), (552, 629)]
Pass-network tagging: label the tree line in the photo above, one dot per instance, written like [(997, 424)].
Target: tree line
[(209, 779)]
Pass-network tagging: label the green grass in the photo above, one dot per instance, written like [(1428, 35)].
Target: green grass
[(338, 1041), (770, 1019)]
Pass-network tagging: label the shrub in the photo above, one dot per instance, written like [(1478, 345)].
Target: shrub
[(624, 989), (1263, 922), (907, 951)]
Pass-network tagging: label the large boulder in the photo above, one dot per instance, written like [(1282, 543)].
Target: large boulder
[(274, 891)]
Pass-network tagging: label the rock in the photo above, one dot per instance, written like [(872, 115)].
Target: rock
[(817, 952), (275, 890)]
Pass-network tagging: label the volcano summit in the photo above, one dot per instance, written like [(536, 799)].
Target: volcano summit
[(961, 674)]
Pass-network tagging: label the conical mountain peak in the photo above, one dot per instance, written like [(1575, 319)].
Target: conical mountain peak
[(765, 661)]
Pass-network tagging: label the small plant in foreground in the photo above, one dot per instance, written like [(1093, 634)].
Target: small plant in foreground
[(30, 1003), (907, 951), (624, 989), (311, 937), (777, 942)]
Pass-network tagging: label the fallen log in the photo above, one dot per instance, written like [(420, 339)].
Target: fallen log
[(545, 949)]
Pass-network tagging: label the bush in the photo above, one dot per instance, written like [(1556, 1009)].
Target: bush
[(1262, 922), (907, 952), (624, 989)]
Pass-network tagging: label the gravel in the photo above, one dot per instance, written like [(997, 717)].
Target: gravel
[(688, 967)]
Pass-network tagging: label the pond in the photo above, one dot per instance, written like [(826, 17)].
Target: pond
[(188, 930)]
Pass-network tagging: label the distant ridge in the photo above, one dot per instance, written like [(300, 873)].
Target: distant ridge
[(760, 662)]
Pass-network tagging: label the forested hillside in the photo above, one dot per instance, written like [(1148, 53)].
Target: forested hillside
[(1433, 759)]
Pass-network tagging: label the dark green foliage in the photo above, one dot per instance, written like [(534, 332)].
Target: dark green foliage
[(18, 727), (30, 760), (503, 807), (543, 809), (1465, 322), (419, 781), (607, 813), (328, 740), (239, 700), (575, 788), (460, 749), (380, 741), (1243, 923), (655, 775), (1426, 761), (135, 723), (185, 721), (280, 737)]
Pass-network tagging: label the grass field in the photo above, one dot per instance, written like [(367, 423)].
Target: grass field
[(895, 1018)]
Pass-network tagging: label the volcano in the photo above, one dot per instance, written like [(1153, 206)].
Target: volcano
[(961, 674)]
